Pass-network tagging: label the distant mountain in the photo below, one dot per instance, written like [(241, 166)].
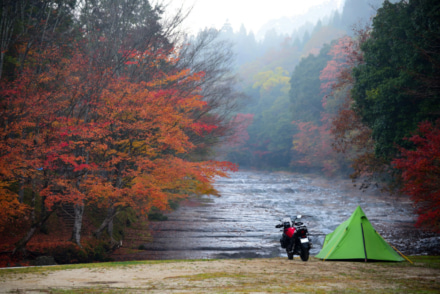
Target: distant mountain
[(286, 25)]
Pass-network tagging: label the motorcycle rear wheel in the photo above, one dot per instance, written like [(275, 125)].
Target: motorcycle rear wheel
[(304, 254)]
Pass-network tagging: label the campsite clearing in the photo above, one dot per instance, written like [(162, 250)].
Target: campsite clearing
[(277, 275)]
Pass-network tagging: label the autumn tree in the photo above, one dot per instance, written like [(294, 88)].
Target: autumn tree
[(116, 32), (421, 173), (105, 121), (31, 109), (349, 135), (143, 48), (28, 31)]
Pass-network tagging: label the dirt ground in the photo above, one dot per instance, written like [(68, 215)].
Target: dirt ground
[(277, 275)]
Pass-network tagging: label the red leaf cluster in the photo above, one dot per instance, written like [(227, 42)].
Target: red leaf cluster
[(421, 173)]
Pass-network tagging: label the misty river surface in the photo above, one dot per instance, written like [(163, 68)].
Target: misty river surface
[(241, 223)]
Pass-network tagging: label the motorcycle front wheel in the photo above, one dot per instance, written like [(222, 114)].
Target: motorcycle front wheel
[(304, 254), (289, 254)]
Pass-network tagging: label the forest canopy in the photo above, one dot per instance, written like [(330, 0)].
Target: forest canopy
[(362, 98)]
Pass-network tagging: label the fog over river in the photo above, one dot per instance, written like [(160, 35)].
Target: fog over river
[(241, 223)]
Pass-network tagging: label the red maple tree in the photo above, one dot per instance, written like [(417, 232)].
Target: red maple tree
[(79, 134), (420, 172)]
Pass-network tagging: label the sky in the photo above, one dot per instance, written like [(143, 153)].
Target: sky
[(252, 13)]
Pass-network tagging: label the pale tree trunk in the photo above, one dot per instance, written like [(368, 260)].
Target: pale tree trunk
[(77, 225), (79, 212)]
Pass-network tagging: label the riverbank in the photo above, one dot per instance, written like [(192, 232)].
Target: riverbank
[(277, 275)]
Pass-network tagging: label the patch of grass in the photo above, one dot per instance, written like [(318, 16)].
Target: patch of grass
[(426, 261), (369, 270), (103, 265), (96, 290), (410, 285), (418, 261)]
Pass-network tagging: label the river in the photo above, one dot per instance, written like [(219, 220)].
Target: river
[(241, 223)]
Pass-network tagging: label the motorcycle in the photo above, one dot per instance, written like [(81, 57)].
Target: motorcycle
[(295, 238)]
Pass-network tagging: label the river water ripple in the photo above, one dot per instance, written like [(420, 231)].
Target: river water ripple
[(241, 223)]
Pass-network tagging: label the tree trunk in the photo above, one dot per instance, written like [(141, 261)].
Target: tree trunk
[(110, 231), (76, 232), (21, 244), (107, 223)]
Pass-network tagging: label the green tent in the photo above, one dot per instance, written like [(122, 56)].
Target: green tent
[(357, 239)]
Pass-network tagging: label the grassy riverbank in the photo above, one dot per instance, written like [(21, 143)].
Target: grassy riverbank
[(276, 275)]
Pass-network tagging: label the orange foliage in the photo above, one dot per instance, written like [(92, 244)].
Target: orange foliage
[(75, 134)]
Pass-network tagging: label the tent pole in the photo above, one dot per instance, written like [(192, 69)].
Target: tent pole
[(363, 239)]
